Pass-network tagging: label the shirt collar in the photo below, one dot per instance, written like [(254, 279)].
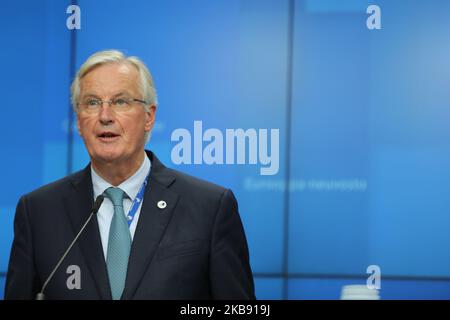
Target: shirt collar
[(130, 186)]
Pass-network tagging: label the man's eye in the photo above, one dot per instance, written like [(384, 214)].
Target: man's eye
[(92, 103), (120, 102)]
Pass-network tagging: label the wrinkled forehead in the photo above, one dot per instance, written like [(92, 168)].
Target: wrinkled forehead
[(110, 79)]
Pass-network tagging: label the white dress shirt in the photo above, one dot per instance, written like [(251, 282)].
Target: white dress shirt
[(131, 188)]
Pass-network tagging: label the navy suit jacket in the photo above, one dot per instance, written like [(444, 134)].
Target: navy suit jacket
[(194, 248)]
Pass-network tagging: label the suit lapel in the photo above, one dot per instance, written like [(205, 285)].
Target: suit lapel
[(79, 205), (152, 224)]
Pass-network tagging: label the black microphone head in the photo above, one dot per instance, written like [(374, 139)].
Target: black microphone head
[(98, 202)]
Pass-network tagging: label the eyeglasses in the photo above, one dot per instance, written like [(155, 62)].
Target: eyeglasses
[(93, 105)]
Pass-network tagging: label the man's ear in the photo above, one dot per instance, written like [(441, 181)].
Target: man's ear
[(150, 117)]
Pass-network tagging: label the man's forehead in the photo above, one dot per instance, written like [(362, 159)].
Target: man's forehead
[(121, 75), (124, 69)]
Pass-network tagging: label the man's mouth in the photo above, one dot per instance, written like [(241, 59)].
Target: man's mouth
[(107, 136)]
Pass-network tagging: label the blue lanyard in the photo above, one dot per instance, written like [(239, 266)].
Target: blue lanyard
[(137, 201)]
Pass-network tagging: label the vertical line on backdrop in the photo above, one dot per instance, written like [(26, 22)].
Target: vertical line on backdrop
[(289, 65), (72, 64)]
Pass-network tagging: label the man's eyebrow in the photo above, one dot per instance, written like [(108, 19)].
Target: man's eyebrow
[(121, 93), (90, 95), (93, 95)]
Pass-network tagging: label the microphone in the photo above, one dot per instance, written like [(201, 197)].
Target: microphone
[(95, 208)]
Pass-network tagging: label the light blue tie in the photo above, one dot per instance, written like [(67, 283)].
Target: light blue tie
[(119, 244)]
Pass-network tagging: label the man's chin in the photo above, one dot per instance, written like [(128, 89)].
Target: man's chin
[(106, 155)]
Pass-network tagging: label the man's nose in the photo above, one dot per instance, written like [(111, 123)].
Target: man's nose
[(106, 115)]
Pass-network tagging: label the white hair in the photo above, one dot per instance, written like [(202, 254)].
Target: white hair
[(99, 58)]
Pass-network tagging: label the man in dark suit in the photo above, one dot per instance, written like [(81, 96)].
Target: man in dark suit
[(159, 234)]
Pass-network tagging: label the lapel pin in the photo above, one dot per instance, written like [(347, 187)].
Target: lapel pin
[(162, 204)]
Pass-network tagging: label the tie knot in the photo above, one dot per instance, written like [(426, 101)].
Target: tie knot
[(116, 196)]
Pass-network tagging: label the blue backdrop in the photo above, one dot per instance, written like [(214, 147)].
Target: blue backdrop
[(363, 115)]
